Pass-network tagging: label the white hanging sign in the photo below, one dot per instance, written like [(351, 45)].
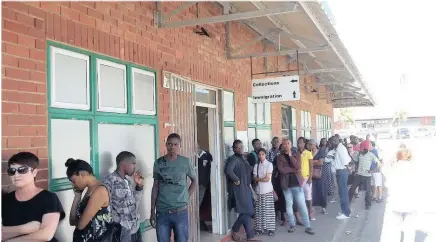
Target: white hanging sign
[(276, 89)]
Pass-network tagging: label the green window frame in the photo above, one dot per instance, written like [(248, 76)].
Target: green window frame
[(93, 114), (306, 124), (323, 126), (261, 123), (289, 128)]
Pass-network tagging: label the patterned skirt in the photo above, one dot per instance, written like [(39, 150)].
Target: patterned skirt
[(265, 214), (327, 177)]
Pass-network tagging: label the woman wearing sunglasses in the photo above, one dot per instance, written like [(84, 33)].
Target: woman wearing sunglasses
[(29, 213)]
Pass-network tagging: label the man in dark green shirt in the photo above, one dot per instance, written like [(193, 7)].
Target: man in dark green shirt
[(170, 193)]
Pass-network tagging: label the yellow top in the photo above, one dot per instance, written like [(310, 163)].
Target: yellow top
[(305, 165)]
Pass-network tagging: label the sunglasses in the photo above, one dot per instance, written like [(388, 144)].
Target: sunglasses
[(21, 170)]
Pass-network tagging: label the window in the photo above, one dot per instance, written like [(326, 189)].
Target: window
[(229, 122), (323, 127), (306, 124), (289, 123), (69, 80), (100, 106), (111, 82), (143, 85), (229, 104), (259, 123), (251, 111)]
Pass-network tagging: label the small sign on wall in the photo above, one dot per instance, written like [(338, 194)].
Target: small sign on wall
[(276, 89)]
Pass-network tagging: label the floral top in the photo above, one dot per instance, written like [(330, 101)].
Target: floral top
[(98, 229)]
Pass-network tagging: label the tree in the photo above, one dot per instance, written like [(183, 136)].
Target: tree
[(346, 116), (400, 116)]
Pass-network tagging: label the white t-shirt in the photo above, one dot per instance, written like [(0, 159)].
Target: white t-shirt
[(265, 168)]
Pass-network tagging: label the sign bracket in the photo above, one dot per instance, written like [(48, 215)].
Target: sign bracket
[(284, 73)]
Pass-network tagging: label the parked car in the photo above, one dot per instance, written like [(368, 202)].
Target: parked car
[(403, 133), (421, 133)]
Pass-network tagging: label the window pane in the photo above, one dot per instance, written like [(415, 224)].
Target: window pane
[(309, 120), (204, 95), (303, 117), (251, 111), (138, 139), (294, 118), (251, 137), (294, 137), (228, 106), (70, 80), (286, 116), (260, 113), (265, 137), (143, 86), (267, 113), (229, 137), (112, 87), (66, 134)]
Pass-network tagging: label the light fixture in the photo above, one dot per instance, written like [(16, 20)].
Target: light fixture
[(201, 31)]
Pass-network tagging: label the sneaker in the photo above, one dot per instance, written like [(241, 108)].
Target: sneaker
[(342, 216), (291, 229), (380, 200), (270, 233), (257, 232), (309, 231), (313, 219), (324, 211)]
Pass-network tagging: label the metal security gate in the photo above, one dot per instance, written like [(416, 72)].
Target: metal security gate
[(183, 122)]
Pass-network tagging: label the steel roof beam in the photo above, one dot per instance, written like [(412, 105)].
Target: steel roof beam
[(225, 18), (280, 53), (310, 12)]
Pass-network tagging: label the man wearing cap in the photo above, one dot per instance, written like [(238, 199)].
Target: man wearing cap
[(363, 177)]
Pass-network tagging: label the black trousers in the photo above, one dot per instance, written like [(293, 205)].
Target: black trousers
[(364, 181)]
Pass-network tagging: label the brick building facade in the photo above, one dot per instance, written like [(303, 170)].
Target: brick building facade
[(123, 32)]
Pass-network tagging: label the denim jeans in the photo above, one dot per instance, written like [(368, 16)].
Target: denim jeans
[(176, 221), (296, 193), (245, 220), (342, 179)]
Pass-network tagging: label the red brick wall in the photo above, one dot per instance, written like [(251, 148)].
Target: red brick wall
[(123, 30)]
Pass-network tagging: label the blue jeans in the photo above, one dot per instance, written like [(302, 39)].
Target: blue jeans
[(245, 220), (342, 179), (176, 221), (296, 193)]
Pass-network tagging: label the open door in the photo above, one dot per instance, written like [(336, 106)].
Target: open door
[(183, 122)]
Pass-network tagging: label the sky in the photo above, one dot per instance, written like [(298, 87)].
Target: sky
[(387, 39)]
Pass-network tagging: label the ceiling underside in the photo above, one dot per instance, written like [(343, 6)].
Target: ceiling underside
[(304, 27)]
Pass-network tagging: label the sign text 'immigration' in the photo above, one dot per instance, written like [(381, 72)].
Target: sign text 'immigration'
[(276, 89)]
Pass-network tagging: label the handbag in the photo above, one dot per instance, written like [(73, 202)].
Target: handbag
[(276, 198), (254, 184), (317, 172)]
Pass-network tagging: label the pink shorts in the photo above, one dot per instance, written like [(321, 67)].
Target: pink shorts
[(307, 188)]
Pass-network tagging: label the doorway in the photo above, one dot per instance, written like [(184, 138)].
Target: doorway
[(209, 142)]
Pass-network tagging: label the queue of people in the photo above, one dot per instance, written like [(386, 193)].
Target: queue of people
[(286, 182), (101, 211), (289, 182)]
